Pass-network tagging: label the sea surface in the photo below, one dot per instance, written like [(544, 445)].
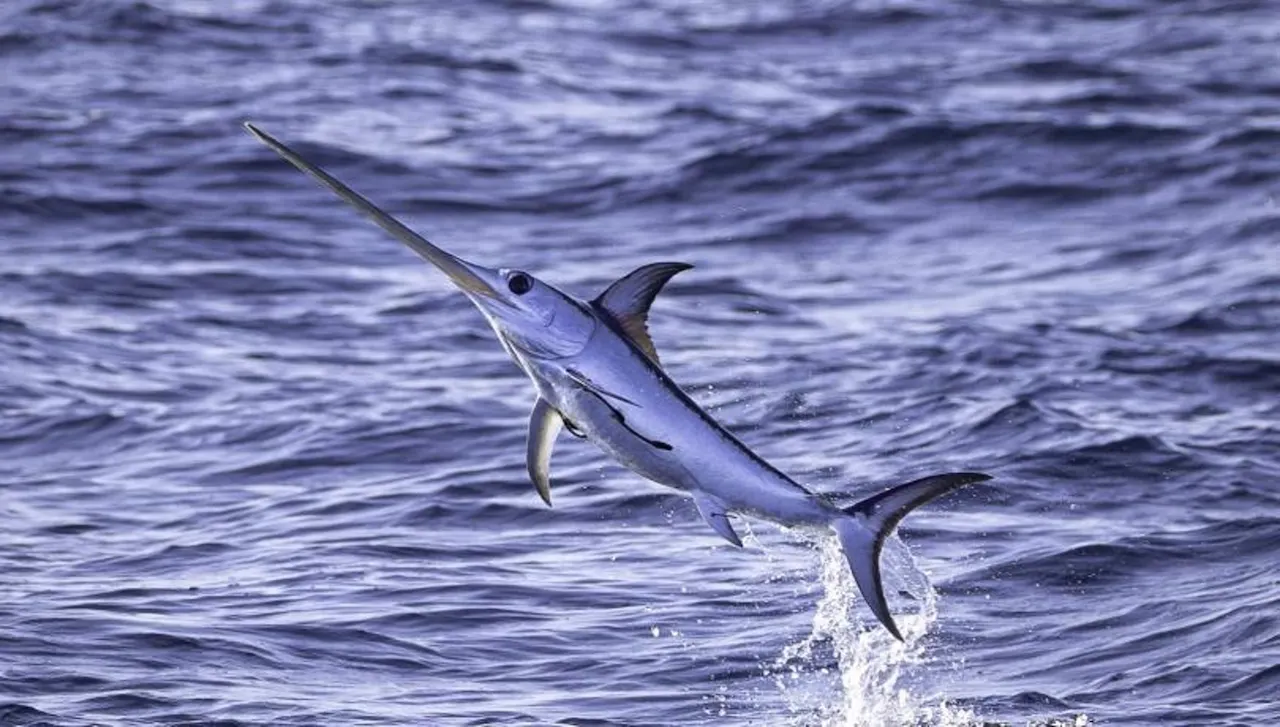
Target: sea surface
[(259, 465)]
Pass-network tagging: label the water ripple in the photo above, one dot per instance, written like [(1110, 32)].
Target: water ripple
[(262, 467)]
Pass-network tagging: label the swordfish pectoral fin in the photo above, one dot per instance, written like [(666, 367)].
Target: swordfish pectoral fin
[(863, 532), (581, 379), (713, 511), (544, 425)]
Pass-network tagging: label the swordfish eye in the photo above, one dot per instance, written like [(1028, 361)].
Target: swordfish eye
[(519, 283)]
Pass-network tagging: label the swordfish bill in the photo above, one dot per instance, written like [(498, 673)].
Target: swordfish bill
[(597, 374)]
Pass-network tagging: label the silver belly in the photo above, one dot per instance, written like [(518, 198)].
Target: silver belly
[(607, 426)]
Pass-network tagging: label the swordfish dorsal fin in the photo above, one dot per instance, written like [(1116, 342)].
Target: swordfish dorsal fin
[(627, 301), (544, 424)]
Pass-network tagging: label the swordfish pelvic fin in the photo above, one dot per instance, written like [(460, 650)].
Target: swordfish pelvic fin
[(713, 511), (628, 299), (863, 532), (544, 424)]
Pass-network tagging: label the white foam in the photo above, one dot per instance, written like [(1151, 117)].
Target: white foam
[(866, 688)]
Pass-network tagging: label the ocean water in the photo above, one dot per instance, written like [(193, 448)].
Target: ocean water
[(261, 466)]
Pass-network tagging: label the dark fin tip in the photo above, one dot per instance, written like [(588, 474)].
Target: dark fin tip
[(892, 629)]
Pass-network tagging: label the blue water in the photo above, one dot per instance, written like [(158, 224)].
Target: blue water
[(261, 466)]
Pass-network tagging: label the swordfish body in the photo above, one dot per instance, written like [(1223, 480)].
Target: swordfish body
[(598, 375)]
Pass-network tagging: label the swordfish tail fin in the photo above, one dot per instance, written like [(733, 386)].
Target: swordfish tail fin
[(869, 522)]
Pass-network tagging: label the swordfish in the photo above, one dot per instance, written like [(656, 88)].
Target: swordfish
[(598, 375)]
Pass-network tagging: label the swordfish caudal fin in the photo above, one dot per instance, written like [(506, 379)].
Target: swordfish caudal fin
[(544, 425), (628, 299), (869, 522)]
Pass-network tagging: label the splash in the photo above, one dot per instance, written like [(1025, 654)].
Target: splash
[(866, 686)]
